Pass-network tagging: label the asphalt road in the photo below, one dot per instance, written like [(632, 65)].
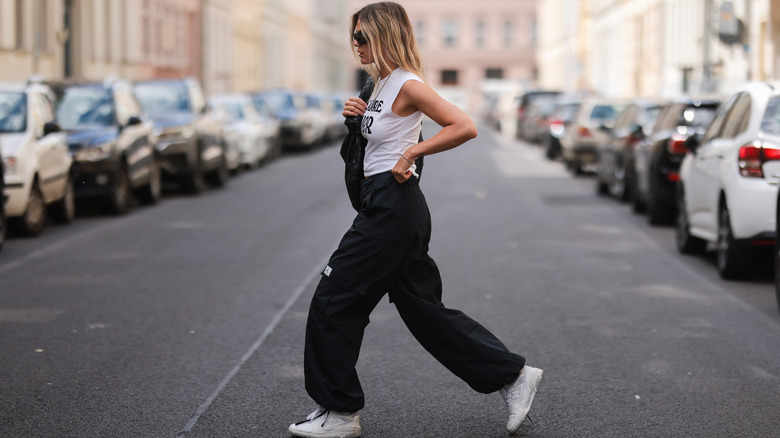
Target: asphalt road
[(186, 319)]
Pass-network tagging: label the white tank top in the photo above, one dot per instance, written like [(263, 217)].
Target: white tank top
[(388, 134)]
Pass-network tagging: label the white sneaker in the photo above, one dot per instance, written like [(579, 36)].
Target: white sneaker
[(324, 423), (519, 395)]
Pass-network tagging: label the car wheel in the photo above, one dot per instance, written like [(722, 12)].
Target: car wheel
[(686, 243), (602, 188), (119, 199), (637, 206), (221, 174), (777, 270), (3, 223), (152, 192), (196, 181), (731, 258), (31, 223), (64, 210)]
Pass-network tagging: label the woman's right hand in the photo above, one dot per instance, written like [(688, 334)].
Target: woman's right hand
[(355, 106)]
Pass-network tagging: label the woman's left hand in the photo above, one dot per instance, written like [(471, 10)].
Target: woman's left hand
[(402, 170)]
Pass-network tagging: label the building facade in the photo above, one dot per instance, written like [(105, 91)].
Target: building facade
[(473, 49), (663, 48), (230, 45)]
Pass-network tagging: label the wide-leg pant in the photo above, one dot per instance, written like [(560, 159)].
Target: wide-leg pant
[(385, 251)]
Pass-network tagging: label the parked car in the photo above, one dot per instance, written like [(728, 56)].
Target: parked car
[(297, 129), (271, 124), (112, 146), (777, 250), (37, 167), (557, 124), (244, 129), (658, 157), (189, 135), (318, 110), (586, 134), (615, 171), (3, 220), (336, 127), (727, 192), (524, 103), (534, 108)]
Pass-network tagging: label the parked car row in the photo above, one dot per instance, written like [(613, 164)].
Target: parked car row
[(708, 165), (110, 143)]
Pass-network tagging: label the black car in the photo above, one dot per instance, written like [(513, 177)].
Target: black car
[(658, 157), (615, 170), (112, 146), (189, 135), (3, 219)]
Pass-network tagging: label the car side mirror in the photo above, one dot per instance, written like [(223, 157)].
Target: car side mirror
[(692, 143), (50, 128)]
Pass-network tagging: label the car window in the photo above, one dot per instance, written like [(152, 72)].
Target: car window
[(697, 116), (626, 117), (671, 117), (233, 110), (82, 107), (604, 112), (13, 112), (161, 98), (47, 108), (648, 117), (770, 123), (736, 120), (713, 130), (567, 112)]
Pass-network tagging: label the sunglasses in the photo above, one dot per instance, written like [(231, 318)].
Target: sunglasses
[(359, 38)]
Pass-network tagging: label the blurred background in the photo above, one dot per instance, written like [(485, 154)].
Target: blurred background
[(617, 48)]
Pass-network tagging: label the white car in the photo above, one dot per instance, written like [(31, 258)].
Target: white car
[(244, 129), (36, 160), (729, 179)]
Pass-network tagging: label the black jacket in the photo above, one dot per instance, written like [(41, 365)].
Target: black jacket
[(353, 150)]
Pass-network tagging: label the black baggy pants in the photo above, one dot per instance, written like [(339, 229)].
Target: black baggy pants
[(386, 251)]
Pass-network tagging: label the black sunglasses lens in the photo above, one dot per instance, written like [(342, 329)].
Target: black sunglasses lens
[(359, 38)]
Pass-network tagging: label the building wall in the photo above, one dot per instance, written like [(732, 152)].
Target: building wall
[(29, 35), (629, 48), (489, 35)]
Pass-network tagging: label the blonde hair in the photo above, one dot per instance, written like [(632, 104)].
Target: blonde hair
[(389, 33)]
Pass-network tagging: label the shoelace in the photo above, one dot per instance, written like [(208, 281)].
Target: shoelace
[(315, 415)]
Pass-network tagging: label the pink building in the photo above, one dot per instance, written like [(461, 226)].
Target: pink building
[(474, 48)]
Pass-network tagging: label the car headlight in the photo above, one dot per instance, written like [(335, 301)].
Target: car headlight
[(9, 164), (93, 153), (179, 133)]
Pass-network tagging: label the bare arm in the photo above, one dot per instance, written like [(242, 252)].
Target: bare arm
[(457, 126)]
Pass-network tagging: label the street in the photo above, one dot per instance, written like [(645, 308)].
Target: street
[(186, 319)]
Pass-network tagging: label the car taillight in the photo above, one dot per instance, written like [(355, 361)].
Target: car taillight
[(676, 145), (583, 132), (752, 158), (556, 126)]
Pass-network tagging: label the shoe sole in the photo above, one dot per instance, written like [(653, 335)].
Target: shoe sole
[(537, 384), (348, 434)]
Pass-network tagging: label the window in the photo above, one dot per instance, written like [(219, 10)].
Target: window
[(449, 77), (419, 32), (494, 73), (717, 122), (509, 33), (736, 121), (19, 12), (450, 33), (480, 29)]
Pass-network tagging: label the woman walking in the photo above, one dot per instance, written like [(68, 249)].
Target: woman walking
[(385, 251)]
